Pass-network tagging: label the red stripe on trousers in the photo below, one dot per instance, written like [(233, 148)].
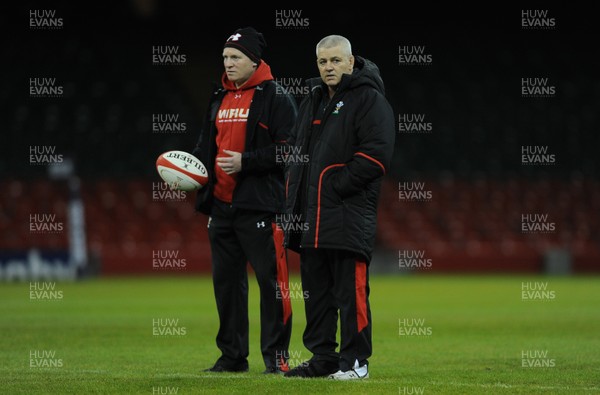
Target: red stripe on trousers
[(282, 272), (360, 279)]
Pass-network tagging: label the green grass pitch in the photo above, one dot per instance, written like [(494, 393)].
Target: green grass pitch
[(431, 335)]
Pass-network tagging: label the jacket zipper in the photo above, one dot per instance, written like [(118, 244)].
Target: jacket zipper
[(311, 148)]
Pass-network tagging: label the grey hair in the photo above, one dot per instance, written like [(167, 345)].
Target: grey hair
[(334, 41)]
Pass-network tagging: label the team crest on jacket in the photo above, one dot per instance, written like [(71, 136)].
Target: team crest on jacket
[(337, 107)]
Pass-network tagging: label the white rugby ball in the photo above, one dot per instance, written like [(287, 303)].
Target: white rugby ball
[(181, 170)]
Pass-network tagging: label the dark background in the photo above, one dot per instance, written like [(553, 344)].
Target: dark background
[(471, 94)]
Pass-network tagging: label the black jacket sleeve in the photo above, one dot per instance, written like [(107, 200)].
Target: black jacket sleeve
[(283, 112), (376, 136), (205, 150)]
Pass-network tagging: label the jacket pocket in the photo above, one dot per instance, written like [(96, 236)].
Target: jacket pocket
[(326, 194)]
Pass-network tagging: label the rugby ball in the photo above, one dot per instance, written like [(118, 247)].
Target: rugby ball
[(181, 170)]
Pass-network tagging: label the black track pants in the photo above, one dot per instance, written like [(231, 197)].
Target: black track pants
[(336, 281), (239, 236)]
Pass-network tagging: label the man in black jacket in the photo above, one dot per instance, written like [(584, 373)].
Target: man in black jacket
[(248, 120), (345, 127)]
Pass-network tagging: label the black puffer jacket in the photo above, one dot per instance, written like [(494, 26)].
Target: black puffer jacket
[(260, 184), (348, 148)]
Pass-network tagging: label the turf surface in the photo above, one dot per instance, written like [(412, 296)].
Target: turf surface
[(431, 335)]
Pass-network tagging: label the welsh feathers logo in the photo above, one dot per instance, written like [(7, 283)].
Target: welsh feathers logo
[(234, 37), (337, 107)]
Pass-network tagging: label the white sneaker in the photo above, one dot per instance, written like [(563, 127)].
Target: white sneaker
[(356, 373)]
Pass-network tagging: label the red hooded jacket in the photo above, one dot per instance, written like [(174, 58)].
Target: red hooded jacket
[(231, 125)]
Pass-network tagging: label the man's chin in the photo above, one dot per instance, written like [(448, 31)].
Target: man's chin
[(332, 85)]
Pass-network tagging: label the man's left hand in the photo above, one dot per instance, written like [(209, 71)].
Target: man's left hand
[(231, 164)]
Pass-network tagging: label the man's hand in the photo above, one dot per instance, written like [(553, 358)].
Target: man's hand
[(231, 164)]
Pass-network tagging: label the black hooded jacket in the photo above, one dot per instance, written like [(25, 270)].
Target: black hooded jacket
[(260, 184), (348, 148)]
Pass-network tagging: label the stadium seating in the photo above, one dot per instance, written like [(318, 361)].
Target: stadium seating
[(476, 226), (465, 227)]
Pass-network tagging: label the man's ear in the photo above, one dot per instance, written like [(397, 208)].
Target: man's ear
[(351, 58)]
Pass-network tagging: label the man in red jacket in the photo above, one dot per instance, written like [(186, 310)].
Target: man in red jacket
[(248, 120), (346, 129)]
